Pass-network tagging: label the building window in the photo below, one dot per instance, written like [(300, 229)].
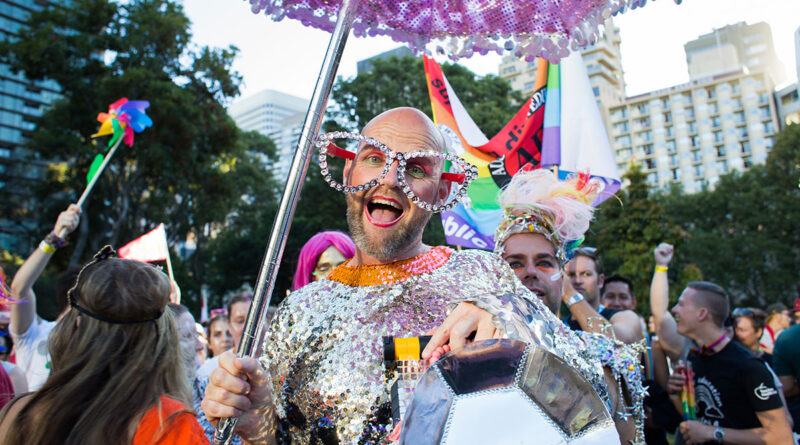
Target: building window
[(621, 113), (742, 132), (747, 161), (696, 141), (769, 142), (665, 102), (621, 127), (697, 156), (643, 123), (722, 167), (745, 146), (668, 117), (764, 112), (670, 131), (642, 108), (718, 138), (692, 127), (671, 146), (647, 149), (596, 91), (769, 127), (646, 135), (716, 122), (698, 171), (721, 151), (690, 113), (737, 103), (5, 153), (736, 87), (673, 160), (529, 85), (711, 93), (713, 108), (624, 141), (509, 70), (676, 174), (652, 178), (649, 164), (763, 99), (738, 117)]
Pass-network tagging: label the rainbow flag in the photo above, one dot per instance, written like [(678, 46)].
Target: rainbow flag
[(532, 139)]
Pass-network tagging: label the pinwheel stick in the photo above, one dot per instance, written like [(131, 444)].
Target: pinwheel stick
[(93, 181), (267, 275)]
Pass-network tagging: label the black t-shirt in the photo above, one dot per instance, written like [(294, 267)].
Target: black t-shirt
[(605, 312), (731, 386)]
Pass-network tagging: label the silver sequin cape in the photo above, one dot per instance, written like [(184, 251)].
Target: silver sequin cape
[(324, 346)]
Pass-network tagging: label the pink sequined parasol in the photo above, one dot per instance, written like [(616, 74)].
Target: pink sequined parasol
[(460, 28)]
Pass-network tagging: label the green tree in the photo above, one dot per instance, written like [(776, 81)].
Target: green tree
[(626, 232), (743, 234), (190, 170)]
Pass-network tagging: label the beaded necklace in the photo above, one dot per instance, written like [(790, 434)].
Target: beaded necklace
[(373, 275)]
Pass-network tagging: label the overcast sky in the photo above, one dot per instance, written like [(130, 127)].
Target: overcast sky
[(286, 56)]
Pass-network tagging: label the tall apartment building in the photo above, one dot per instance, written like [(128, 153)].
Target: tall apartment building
[(733, 48), (695, 132), (364, 65), (21, 102), (797, 52), (603, 63), (266, 112), (788, 98)]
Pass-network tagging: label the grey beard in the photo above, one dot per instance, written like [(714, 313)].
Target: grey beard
[(385, 249)]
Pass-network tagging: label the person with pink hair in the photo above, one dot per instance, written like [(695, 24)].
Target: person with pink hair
[(321, 254)]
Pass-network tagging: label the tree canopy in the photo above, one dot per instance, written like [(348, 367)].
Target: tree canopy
[(190, 170)]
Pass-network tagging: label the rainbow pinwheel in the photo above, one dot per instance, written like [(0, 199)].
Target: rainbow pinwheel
[(124, 118)]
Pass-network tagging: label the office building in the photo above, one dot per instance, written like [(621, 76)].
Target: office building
[(695, 132), (737, 47), (266, 112), (787, 100), (365, 65), (797, 52), (21, 102)]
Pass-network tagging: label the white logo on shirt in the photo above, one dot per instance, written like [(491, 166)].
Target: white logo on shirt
[(763, 392), (708, 401)]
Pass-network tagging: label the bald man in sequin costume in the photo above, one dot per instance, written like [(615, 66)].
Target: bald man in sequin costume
[(324, 381)]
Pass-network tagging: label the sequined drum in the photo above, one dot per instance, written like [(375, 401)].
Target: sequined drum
[(505, 392)]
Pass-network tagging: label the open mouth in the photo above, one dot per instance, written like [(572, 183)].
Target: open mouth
[(383, 212)]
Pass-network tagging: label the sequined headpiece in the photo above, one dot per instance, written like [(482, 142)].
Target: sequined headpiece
[(538, 202)]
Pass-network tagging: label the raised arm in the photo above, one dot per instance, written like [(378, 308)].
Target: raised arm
[(23, 314), (624, 326), (666, 328)]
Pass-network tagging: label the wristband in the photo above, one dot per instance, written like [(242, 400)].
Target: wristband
[(47, 247), (577, 298), (661, 268), (55, 240)]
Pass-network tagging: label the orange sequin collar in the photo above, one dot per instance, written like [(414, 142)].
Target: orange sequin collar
[(389, 273)]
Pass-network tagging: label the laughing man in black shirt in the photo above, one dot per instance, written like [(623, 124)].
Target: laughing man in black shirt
[(737, 401)]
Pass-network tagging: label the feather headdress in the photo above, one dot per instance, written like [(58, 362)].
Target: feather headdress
[(538, 202)]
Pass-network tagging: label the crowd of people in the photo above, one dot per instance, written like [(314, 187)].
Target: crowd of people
[(123, 363)]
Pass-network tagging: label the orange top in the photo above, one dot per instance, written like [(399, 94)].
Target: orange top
[(182, 429), (374, 275)]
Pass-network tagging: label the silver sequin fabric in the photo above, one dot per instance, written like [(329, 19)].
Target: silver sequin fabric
[(324, 347)]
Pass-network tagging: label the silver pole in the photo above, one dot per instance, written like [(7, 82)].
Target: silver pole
[(265, 284)]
